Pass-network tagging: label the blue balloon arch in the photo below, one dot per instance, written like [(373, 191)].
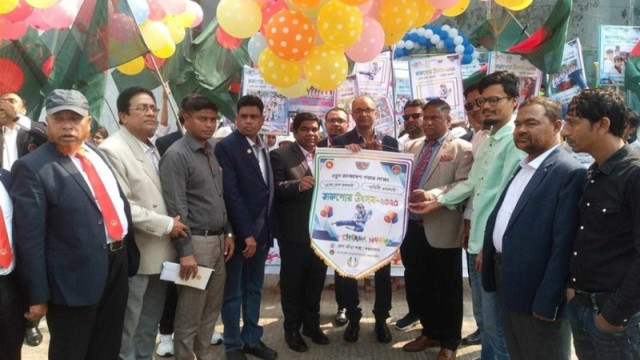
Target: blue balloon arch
[(442, 38)]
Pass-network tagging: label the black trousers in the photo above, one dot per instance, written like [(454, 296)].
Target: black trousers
[(92, 332), (12, 321), (433, 281), (302, 276), (169, 311), (348, 288)]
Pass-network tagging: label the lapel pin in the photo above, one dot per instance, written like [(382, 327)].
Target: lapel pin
[(248, 151)]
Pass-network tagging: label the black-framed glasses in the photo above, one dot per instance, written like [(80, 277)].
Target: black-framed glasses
[(145, 108), (470, 105), (491, 100), (336, 121), (414, 116), (363, 111)]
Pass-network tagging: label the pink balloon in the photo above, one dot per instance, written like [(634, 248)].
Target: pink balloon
[(20, 13), (61, 15), (37, 22), (12, 30), (366, 7), (370, 42), (196, 9), (156, 11), (269, 9), (174, 7), (121, 28), (443, 4), (374, 10), (436, 16)]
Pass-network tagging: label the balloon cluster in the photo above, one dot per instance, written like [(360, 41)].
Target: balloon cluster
[(327, 211), (297, 44), (391, 217), (442, 38)]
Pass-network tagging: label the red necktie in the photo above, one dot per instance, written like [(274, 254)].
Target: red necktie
[(109, 214), (5, 248), (423, 163)]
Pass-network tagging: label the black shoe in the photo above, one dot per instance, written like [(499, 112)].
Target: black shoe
[(341, 317), (33, 336), (472, 339), (261, 350), (295, 341), (352, 331), (316, 335), (237, 354), (382, 332)]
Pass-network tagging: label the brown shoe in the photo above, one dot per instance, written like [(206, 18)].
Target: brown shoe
[(446, 354), (420, 343)]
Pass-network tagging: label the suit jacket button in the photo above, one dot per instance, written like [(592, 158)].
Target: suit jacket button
[(100, 221)]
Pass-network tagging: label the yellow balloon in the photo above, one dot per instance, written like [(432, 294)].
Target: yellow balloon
[(339, 24), (132, 67), (185, 19), (239, 18), (42, 4), (276, 71), (396, 18), (515, 5), (311, 13), (176, 31), (165, 52), (7, 6), (354, 2), (425, 12), (325, 67), (156, 35), (296, 90), (306, 4), (457, 9)]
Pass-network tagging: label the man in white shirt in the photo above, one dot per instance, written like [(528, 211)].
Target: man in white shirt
[(20, 135)]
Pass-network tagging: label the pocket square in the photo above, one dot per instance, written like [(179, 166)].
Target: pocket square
[(446, 157)]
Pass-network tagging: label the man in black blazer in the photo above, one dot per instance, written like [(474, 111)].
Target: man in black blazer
[(74, 242), (302, 273), (529, 237), (364, 136), (20, 135), (336, 123)]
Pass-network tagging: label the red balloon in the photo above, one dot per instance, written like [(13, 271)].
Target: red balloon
[(12, 31), (47, 65), (149, 64), (227, 41), (21, 12), (12, 76)]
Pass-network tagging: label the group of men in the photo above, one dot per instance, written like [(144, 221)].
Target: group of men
[(552, 248)]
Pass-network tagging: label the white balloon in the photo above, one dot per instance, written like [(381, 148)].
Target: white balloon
[(428, 33), (445, 27), (408, 45), (459, 49), (458, 40), (421, 31), (257, 43), (453, 32), (440, 45), (413, 31), (435, 39), (475, 62), (400, 44), (475, 54)]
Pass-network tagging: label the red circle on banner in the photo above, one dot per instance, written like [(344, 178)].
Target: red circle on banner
[(47, 65), (12, 76)]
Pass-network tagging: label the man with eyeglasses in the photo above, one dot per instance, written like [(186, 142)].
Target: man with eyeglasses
[(496, 161), (412, 122), (134, 160), (364, 136), (336, 122)]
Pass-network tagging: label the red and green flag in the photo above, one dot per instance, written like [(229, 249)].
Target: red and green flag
[(632, 71), (498, 34)]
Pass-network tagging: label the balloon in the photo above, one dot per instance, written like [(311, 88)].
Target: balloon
[(276, 71), (370, 42), (269, 9), (197, 12), (7, 6), (47, 65), (20, 13), (396, 17), (459, 49), (12, 76), (325, 67), (457, 9), (140, 10), (365, 7), (339, 24), (295, 91), (37, 22), (176, 31), (132, 67), (374, 10), (149, 62), (290, 35), (61, 15), (355, 2), (436, 15), (425, 12), (173, 7), (42, 4), (185, 19), (121, 28), (515, 5), (225, 40), (256, 45), (158, 39), (166, 51), (156, 11), (12, 31), (306, 4), (239, 18), (443, 4)]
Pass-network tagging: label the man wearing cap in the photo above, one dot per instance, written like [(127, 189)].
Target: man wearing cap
[(73, 237)]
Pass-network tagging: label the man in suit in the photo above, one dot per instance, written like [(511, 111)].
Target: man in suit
[(365, 113), (302, 273), (528, 239), (74, 242), (20, 135), (412, 122), (336, 122), (134, 160), (431, 250), (248, 195)]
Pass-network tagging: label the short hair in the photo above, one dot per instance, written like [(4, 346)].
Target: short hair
[(303, 116), (510, 83), (633, 118), (198, 102), (471, 88), (248, 101), (609, 51), (337, 108), (415, 103), (595, 103), (618, 58), (102, 131), (552, 108), (438, 103), (124, 98)]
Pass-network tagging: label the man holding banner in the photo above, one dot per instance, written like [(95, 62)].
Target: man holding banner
[(364, 112)]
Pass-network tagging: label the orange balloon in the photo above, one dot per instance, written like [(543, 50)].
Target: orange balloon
[(306, 4), (290, 35)]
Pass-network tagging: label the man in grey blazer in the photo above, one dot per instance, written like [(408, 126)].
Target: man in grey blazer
[(431, 250), (135, 162)]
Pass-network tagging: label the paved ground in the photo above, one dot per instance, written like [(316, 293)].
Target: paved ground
[(366, 348)]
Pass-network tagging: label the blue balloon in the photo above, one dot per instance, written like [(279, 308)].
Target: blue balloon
[(444, 35), (448, 42), (468, 49), (423, 41), (414, 37), (466, 59), (398, 53)]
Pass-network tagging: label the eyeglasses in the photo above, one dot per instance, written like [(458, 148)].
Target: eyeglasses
[(336, 121), (145, 109), (414, 116), (492, 100), (363, 111), (470, 105)]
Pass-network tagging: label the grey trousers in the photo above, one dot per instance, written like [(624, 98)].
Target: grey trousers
[(197, 310), (142, 315)]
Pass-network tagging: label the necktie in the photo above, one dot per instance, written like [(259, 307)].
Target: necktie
[(423, 163), (5, 248), (109, 214)]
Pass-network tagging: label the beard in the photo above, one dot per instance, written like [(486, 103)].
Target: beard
[(69, 149), (490, 121)]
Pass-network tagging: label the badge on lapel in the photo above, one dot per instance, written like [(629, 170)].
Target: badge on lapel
[(446, 157)]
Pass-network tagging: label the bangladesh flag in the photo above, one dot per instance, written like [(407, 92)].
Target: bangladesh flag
[(632, 71), (498, 34), (545, 47)]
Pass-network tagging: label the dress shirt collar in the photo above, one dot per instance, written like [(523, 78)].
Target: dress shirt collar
[(439, 140), (145, 146), (507, 129), (535, 163), (304, 151), (259, 144), (194, 145)]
